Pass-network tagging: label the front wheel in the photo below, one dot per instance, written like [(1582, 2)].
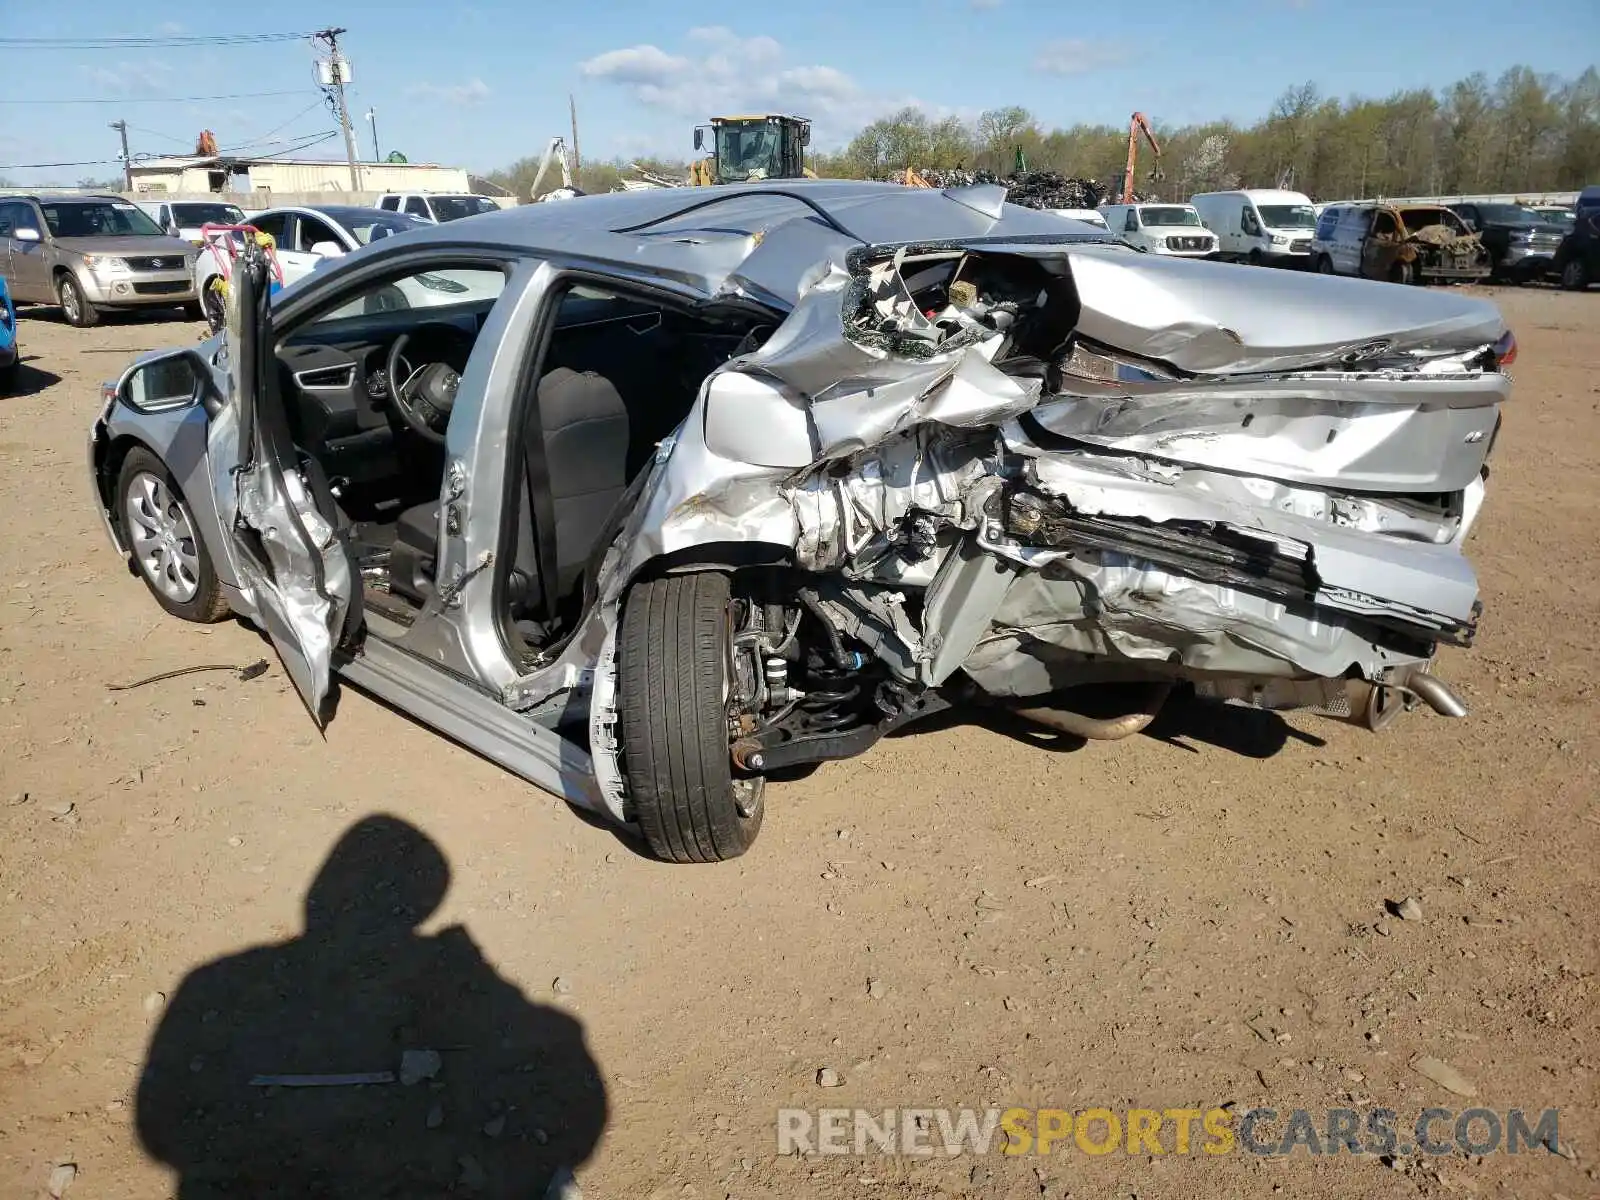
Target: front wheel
[(1325, 265), (75, 307), (672, 683), (163, 537)]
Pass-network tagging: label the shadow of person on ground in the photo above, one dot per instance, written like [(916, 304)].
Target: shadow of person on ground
[(509, 1095)]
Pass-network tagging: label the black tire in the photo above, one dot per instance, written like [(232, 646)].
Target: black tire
[(8, 378), (75, 306), (214, 305), (1575, 275), (1254, 258), (671, 666), (208, 604), (1325, 265)]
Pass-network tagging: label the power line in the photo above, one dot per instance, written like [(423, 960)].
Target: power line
[(317, 103), (312, 140), (121, 100), (165, 40)]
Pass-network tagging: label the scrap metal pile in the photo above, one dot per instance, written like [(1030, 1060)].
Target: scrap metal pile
[(1028, 189)]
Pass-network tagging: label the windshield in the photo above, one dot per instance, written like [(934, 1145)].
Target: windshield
[(1563, 217), (1288, 216), (1506, 214), (375, 224), (453, 208), (110, 218), (1420, 218), (187, 215), (1176, 215), (746, 150)]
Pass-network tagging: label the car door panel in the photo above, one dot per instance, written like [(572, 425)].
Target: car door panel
[(29, 260), (303, 586)]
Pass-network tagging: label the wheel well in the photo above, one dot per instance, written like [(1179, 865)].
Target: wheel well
[(716, 556), (108, 459)]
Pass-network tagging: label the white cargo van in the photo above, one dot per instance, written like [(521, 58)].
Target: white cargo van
[(1174, 229), (1259, 225)]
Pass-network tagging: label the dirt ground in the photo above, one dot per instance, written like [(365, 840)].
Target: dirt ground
[(1192, 918)]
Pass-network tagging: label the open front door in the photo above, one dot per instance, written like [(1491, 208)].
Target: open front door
[(289, 554)]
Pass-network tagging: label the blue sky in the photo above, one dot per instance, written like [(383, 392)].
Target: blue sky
[(482, 83)]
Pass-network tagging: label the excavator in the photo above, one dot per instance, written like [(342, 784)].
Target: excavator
[(748, 149), (1138, 124)]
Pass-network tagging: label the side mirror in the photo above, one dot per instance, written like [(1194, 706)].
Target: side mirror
[(699, 139), (805, 135), (25, 235), (173, 381), (327, 250)]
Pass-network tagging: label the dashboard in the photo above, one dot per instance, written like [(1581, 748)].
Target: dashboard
[(336, 387)]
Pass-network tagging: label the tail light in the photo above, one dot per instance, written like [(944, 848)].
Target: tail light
[(1505, 349)]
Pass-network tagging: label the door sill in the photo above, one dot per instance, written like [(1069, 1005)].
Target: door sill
[(472, 719)]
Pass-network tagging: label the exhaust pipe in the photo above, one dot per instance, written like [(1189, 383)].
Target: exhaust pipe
[(1436, 694), (1100, 729)]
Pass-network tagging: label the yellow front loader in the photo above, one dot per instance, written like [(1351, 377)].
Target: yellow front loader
[(749, 149)]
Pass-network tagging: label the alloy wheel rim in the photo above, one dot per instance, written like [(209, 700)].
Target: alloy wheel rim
[(69, 300), (163, 537)]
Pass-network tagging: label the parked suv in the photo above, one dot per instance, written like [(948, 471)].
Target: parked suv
[(1522, 246), (1403, 243), (88, 253), (437, 209)]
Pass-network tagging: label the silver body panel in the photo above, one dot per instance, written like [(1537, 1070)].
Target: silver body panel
[(1337, 427)]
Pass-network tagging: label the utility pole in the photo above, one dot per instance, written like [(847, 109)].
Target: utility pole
[(338, 76), (577, 159), (127, 162), (372, 119)]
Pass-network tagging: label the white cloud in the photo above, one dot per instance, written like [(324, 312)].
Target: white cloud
[(130, 78), (1077, 56), (474, 91), (722, 72), (170, 28), (647, 66), (984, 5)]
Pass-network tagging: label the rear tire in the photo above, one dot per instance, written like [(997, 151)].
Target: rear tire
[(672, 654), (1575, 275), (75, 306)]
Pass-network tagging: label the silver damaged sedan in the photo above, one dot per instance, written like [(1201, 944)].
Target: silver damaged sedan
[(653, 496)]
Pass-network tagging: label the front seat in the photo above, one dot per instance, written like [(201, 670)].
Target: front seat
[(585, 434)]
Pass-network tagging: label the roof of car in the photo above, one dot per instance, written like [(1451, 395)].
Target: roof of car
[(774, 235)]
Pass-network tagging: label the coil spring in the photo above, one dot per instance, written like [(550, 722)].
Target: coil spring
[(831, 689)]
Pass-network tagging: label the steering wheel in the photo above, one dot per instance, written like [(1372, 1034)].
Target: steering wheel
[(423, 395)]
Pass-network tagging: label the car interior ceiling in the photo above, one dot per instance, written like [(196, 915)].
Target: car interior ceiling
[(618, 376)]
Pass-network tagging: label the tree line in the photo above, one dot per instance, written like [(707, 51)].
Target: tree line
[(1523, 132)]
